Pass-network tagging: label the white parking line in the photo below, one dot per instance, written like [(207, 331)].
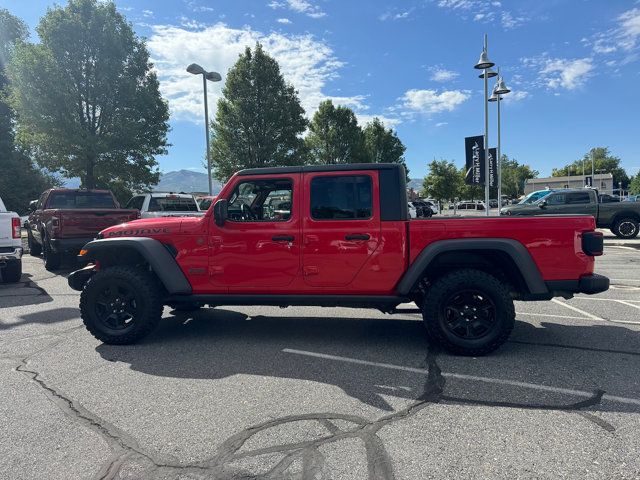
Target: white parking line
[(629, 303), (548, 315), (474, 378), (590, 315)]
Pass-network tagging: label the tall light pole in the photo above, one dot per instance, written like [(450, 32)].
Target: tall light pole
[(196, 69), (485, 64), (498, 90)]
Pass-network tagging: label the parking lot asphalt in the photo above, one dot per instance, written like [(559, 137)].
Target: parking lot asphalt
[(320, 393)]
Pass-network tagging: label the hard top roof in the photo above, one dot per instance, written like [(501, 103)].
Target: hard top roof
[(319, 168)]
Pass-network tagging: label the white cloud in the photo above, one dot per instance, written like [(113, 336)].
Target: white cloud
[(515, 96), (439, 74), (389, 122), (441, 124), (430, 102), (565, 73), (510, 21), (284, 21), (624, 37), (307, 63), (484, 11), (299, 6), (195, 7), (390, 15), (147, 13)]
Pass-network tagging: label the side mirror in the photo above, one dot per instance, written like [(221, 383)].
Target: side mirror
[(220, 211), (32, 205), (542, 204)]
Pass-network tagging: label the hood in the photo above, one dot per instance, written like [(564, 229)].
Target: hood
[(150, 227)]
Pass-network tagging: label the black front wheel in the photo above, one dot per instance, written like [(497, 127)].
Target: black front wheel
[(52, 259), (469, 312), (121, 304), (35, 249)]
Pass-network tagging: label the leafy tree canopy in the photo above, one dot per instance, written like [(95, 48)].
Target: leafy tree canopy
[(335, 136), (382, 145), (259, 121), (20, 180), (514, 176), (443, 181), (605, 162), (87, 99), (634, 185)]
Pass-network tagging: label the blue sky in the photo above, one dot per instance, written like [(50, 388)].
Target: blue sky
[(573, 66)]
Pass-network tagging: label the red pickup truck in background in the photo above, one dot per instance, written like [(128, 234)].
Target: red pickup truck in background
[(336, 235), (63, 220)]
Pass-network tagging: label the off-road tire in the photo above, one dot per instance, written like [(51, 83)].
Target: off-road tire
[(52, 259), (465, 280), (148, 304), (626, 228), (35, 249), (12, 272)]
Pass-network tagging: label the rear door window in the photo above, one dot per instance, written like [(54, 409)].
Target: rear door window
[(341, 197), (578, 198)]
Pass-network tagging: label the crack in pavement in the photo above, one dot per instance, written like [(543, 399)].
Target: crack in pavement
[(301, 460)]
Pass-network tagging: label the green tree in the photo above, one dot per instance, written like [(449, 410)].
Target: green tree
[(20, 180), (335, 136), (514, 176), (634, 185), (604, 162), (443, 181), (382, 145), (259, 121), (87, 98)]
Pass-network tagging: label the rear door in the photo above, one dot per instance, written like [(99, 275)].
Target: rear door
[(341, 226)]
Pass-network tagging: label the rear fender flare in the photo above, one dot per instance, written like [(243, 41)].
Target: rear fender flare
[(158, 257), (514, 249)]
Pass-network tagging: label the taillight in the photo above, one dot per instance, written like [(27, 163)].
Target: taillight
[(15, 228), (592, 243)]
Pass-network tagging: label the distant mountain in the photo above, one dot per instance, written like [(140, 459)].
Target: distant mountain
[(188, 181), (415, 183)]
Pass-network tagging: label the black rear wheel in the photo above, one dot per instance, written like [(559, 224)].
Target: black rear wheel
[(35, 249), (121, 304), (469, 312), (12, 272), (52, 259), (626, 228)]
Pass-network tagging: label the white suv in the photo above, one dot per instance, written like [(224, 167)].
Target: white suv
[(153, 205), (10, 245)]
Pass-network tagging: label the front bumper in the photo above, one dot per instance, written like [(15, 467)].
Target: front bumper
[(589, 284), (10, 253), (77, 279), (69, 245)]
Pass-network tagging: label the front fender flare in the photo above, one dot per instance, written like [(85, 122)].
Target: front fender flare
[(158, 257), (516, 250)]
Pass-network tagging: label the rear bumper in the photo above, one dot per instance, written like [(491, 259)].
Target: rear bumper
[(589, 284), (11, 253), (69, 245)]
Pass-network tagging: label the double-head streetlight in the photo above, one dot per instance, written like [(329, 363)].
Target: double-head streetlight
[(485, 64), (499, 89), (196, 69)]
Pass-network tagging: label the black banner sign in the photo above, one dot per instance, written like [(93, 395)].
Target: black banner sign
[(474, 151), (493, 167)]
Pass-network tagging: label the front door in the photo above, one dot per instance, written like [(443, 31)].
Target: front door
[(258, 247), (341, 227)]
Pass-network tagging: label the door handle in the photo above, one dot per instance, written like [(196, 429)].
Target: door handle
[(357, 236), (282, 238)]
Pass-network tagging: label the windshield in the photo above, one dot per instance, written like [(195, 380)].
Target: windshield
[(173, 204), (75, 200), (534, 197)]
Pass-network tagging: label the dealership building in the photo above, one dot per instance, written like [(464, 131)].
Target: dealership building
[(602, 181)]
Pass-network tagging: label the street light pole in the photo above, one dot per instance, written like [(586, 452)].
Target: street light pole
[(196, 69), (206, 129), (498, 90), (485, 64)]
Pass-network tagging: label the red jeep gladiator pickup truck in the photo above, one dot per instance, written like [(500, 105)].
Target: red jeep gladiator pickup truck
[(64, 219), (336, 235)]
